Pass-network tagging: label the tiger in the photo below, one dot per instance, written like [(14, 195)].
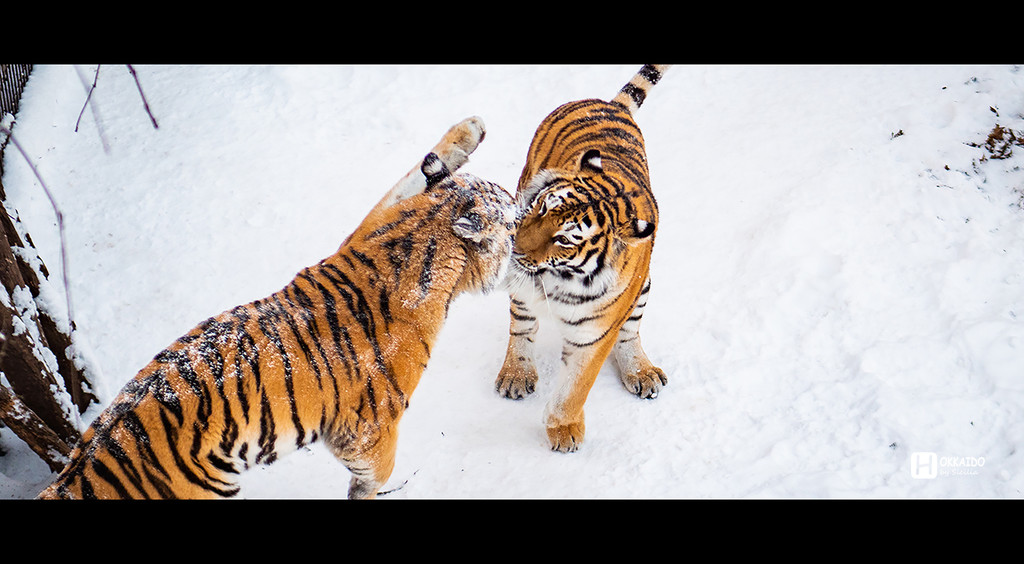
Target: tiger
[(334, 356), (582, 253)]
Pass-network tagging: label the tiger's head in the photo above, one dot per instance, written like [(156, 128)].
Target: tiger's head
[(573, 222), (484, 220)]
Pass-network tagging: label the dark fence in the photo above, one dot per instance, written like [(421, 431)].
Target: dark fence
[(12, 83)]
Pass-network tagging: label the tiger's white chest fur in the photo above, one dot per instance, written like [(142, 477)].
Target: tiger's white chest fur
[(573, 300)]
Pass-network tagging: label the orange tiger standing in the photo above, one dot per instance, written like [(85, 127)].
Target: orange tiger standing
[(333, 356), (583, 252)]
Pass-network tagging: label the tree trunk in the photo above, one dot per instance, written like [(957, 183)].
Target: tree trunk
[(37, 434), (24, 350)]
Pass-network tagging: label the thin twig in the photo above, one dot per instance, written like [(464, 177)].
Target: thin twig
[(60, 224), (145, 104), (97, 122), (396, 488), (88, 97)]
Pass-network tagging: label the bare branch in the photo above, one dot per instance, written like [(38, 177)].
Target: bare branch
[(60, 223), (88, 97), (145, 104)]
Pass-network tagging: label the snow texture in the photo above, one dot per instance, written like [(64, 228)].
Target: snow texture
[(838, 280)]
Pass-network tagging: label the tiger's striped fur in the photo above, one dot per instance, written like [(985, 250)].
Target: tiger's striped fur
[(582, 253), (334, 356)]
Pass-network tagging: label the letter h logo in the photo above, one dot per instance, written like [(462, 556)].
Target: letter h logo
[(924, 465)]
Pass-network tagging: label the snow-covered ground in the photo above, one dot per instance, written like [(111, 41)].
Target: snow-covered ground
[(838, 276)]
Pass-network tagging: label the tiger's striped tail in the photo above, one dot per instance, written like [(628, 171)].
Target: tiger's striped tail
[(633, 94)]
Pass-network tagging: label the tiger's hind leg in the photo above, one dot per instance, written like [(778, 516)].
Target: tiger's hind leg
[(636, 371), (453, 150)]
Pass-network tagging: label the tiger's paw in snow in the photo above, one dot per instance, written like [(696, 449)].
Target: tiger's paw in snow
[(646, 383)]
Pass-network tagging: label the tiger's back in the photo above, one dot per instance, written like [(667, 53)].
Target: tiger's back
[(582, 253), (584, 125), (333, 356)]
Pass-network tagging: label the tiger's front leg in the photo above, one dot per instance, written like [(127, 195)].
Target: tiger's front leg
[(564, 412), (453, 150), (371, 459), (637, 372), (518, 376)]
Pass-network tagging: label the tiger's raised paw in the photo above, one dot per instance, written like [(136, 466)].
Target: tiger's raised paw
[(460, 141), (645, 383), (566, 438)]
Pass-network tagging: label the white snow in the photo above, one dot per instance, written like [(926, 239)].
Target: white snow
[(838, 275)]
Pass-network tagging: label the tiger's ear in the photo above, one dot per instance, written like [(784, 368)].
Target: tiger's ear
[(591, 161), (434, 170), (469, 226), (637, 229)]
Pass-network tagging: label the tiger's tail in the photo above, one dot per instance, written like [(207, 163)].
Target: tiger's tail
[(633, 94)]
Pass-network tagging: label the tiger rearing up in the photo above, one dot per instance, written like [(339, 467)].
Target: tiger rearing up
[(333, 356), (582, 253)]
